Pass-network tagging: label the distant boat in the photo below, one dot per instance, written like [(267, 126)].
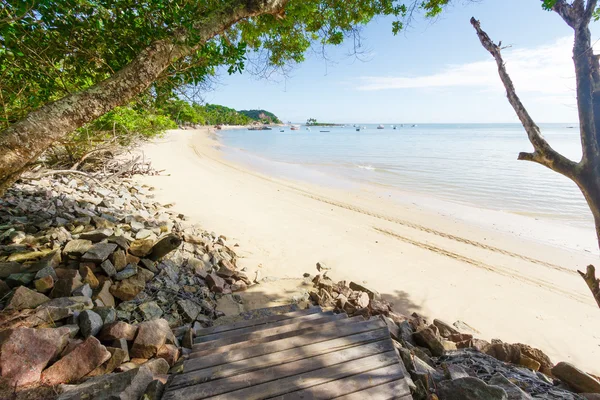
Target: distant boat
[(414, 126), (357, 129), (295, 128), (308, 129), (394, 126), (381, 127), (402, 126), (323, 131), (281, 130)]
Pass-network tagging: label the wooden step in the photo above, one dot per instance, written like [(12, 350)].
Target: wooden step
[(197, 376), (267, 335), (327, 332), (258, 321), (292, 376), (257, 328)]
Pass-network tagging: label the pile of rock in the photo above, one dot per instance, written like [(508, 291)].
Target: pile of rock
[(447, 362), (101, 278)]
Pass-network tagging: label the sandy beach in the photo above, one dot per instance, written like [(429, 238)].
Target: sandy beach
[(518, 283)]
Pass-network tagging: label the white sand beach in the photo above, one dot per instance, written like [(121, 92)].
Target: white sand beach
[(507, 276)]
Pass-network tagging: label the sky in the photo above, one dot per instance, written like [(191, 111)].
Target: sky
[(434, 72)]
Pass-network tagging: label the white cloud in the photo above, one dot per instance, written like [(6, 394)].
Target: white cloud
[(546, 70)]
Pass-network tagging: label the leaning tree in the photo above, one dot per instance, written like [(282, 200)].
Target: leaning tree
[(578, 14)]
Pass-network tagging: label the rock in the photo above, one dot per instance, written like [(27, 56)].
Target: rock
[(169, 353), (136, 226), (445, 329), (120, 241), (151, 310), (84, 290), (469, 389), (78, 363), (23, 257), (24, 298), (108, 268), (66, 284), (87, 276), (154, 391), (373, 294), (512, 391), (215, 283), (90, 323), (226, 269), (151, 336), (129, 385), (71, 344), (25, 352), (128, 288), (97, 235), (149, 265), (105, 296), (127, 272), (77, 247), (44, 285), (158, 366), (362, 300), (117, 358), (99, 252), (455, 372), (188, 338), (122, 344), (504, 352), (46, 271), (9, 268), (143, 234), (20, 279), (575, 378), (529, 363), (190, 310), (118, 330), (108, 314), (537, 355), (4, 289), (463, 327), (69, 303), (118, 259), (164, 246), (428, 338), (141, 247)]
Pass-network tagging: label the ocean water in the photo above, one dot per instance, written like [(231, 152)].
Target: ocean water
[(473, 164)]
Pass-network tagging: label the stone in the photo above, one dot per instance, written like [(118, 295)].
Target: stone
[(99, 252), (118, 330), (362, 300), (226, 269), (118, 259), (149, 265), (576, 378), (20, 279), (373, 294), (108, 314), (154, 391), (44, 285), (463, 327), (190, 310), (119, 240), (46, 271), (131, 259), (158, 366), (150, 310), (151, 336), (129, 288), (108, 268), (129, 385), (143, 234), (141, 247), (117, 358), (25, 352), (24, 298), (188, 338), (71, 344), (469, 389), (164, 246), (512, 391), (9, 268), (127, 272), (529, 363), (90, 323), (145, 275), (84, 290), (69, 303), (537, 355), (428, 338), (105, 295), (215, 283), (4, 289), (77, 247), (23, 257), (122, 344), (455, 372), (136, 226), (97, 235), (65, 286), (445, 329), (169, 353), (88, 277), (78, 363)]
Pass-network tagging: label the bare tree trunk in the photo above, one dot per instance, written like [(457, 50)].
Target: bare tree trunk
[(585, 173), (23, 142)]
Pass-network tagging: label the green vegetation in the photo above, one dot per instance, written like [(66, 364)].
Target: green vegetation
[(313, 122), (263, 116)]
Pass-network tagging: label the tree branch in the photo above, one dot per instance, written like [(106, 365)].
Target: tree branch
[(565, 10), (593, 283), (544, 154), (589, 9)]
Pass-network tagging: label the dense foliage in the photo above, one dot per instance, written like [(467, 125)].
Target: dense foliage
[(263, 116)]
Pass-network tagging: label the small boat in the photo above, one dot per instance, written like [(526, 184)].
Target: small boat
[(308, 129), (414, 126), (380, 127), (295, 128), (357, 129), (323, 131), (281, 130)]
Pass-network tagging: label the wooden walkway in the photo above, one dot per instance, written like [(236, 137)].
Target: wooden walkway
[(307, 354)]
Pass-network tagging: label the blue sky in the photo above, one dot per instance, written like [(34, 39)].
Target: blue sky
[(434, 72)]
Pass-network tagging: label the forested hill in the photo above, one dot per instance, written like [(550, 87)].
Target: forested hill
[(261, 115)]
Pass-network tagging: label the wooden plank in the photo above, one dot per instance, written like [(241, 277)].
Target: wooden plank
[(257, 321), (267, 332), (351, 326), (398, 390), (293, 376), (355, 383), (266, 339), (248, 329), (196, 377)]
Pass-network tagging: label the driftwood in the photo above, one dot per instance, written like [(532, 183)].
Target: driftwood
[(593, 283)]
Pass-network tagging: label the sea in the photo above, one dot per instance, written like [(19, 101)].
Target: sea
[(470, 164)]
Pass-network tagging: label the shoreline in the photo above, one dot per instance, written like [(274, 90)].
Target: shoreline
[(504, 285)]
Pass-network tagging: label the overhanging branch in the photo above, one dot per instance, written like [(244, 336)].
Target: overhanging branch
[(593, 283), (544, 154)]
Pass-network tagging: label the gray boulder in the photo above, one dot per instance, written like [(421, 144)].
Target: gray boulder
[(469, 389)]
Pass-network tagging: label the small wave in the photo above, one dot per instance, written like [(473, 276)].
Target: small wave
[(367, 167)]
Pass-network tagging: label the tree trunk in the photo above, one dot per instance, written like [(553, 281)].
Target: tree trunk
[(23, 142)]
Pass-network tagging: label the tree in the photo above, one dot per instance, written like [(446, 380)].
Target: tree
[(586, 172), (64, 63)]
